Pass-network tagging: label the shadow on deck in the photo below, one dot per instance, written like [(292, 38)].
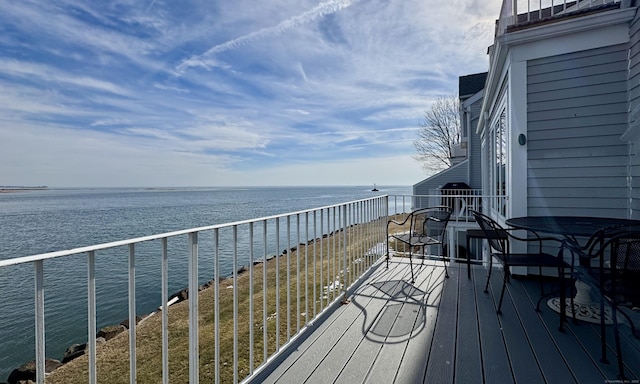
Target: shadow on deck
[(447, 331)]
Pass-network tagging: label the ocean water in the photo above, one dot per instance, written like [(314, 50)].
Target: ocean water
[(33, 222)]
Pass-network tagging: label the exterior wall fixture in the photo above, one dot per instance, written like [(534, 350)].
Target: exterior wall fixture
[(522, 139)]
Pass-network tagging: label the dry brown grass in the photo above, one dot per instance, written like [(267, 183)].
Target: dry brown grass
[(113, 356)]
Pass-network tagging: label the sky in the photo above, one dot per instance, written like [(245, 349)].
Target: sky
[(227, 93)]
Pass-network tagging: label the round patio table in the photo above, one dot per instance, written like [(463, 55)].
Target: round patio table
[(573, 228)]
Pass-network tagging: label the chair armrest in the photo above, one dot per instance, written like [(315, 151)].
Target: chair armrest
[(537, 238)]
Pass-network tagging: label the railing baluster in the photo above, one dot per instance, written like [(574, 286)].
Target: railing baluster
[(298, 273), (91, 314), (165, 309), (277, 284), (345, 274), (132, 314), (235, 303), (334, 274), (322, 259), (265, 334), (216, 301), (194, 364), (288, 265), (251, 320), (315, 240), (39, 311)]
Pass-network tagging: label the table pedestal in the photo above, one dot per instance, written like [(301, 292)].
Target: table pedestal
[(587, 309)]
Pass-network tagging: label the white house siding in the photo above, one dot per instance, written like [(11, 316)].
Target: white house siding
[(456, 174), (576, 113), (634, 119)]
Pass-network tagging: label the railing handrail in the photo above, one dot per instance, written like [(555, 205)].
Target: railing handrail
[(141, 239)]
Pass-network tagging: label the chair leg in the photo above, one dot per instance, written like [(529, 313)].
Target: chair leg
[(413, 280), (616, 336), (444, 262), (387, 252), (603, 334), (563, 300), (504, 286), (486, 286)]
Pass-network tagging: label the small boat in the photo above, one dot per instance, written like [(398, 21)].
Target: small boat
[(374, 188)]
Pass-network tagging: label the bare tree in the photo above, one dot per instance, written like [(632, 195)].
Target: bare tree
[(439, 132)]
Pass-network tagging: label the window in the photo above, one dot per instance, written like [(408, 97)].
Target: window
[(498, 162)]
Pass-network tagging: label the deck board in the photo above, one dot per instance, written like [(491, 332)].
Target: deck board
[(468, 364), (447, 331), (392, 366), (546, 353), (442, 356), (495, 361)]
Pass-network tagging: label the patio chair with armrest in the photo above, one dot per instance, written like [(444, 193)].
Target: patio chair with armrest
[(499, 243), (616, 278), (427, 227)]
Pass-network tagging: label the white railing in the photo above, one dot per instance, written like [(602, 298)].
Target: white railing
[(514, 12), (299, 265), (327, 250), (461, 201)]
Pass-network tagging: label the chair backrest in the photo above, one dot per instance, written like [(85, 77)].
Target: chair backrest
[(431, 222), (494, 233), (623, 267), (435, 223)]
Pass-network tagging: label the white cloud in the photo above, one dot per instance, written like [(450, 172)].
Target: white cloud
[(89, 95), (313, 14)]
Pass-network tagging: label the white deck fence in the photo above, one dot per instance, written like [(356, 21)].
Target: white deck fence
[(299, 265), (514, 12)]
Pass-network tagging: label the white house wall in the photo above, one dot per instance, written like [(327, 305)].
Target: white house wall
[(634, 118), (576, 113)]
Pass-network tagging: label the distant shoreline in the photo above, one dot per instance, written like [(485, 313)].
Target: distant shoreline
[(12, 189)]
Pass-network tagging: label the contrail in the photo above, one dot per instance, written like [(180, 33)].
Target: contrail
[(322, 9), (150, 5)]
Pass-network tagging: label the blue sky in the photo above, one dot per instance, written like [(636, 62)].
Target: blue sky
[(227, 93)]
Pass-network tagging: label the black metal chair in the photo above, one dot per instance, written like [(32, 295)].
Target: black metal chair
[(427, 227), (479, 234), (509, 259), (616, 277)]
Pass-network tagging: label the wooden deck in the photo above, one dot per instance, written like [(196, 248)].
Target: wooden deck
[(447, 331)]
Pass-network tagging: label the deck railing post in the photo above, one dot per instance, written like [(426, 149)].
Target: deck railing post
[(132, 314), (193, 308), (251, 309), (165, 309), (235, 304), (39, 310), (216, 301), (91, 314)]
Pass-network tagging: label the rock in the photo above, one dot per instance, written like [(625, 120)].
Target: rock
[(242, 269), (27, 372), (73, 352), (111, 331), (125, 322)]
